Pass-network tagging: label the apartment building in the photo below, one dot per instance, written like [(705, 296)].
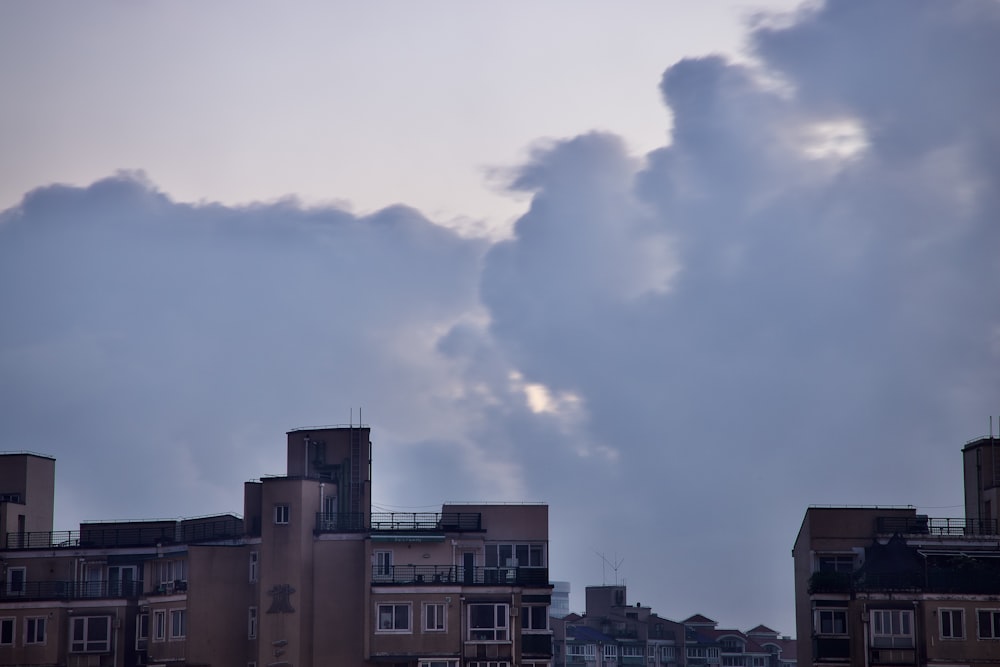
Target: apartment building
[(308, 576), (615, 633), (888, 586)]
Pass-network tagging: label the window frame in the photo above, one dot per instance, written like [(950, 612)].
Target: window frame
[(142, 631), (252, 620), (16, 588), (393, 615), (499, 632), (528, 611), (834, 613), (11, 623), (34, 630), (887, 628), (86, 645), (159, 625), (254, 566), (950, 614), (282, 514), (178, 617), (994, 615), (439, 615), (382, 565)]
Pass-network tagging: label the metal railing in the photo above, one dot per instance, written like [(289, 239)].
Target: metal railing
[(126, 535), (461, 576), (942, 527), (346, 522), (70, 590)]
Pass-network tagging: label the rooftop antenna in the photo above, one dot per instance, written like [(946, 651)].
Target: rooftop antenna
[(614, 565)]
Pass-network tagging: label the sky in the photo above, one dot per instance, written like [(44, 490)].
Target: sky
[(679, 270)]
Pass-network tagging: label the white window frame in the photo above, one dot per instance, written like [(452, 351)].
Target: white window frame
[(382, 565), (282, 514), (610, 651), (949, 631), (141, 631), (830, 615), (891, 628), (10, 623), (178, 624), (438, 662), (254, 566), (17, 585), (435, 617), (393, 617), (667, 654), (529, 614), (994, 623), (499, 631), (34, 630), (159, 625), (632, 651), (86, 645), (252, 623)]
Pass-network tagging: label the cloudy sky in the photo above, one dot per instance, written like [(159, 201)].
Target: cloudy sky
[(678, 269)]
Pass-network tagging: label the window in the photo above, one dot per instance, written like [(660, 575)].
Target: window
[(254, 562), (393, 617), (831, 621), (892, 628), (34, 631), (434, 617), (159, 625), (732, 661), (582, 650), (534, 617), (15, 580), (178, 623), (515, 555), (141, 632), (759, 661), (835, 563), (90, 634), (667, 653), (488, 622), (382, 565), (252, 623), (122, 581), (439, 663), (172, 572), (631, 651), (952, 623), (6, 631), (491, 663), (989, 623), (281, 514)]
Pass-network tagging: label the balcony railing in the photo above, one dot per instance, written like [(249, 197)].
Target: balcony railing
[(387, 522), (836, 649), (970, 578), (96, 535), (923, 525), (462, 576), (71, 590)]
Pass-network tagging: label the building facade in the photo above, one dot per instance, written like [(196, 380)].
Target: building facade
[(888, 586), (308, 576), (615, 633)]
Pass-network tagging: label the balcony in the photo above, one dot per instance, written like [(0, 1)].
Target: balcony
[(536, 645), (389, 522), (129, 534), (924, 525), (72, 590), (458, 575), (893, 656), (831, 649)]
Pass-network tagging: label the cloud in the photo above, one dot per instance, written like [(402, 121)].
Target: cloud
[(791, 302)]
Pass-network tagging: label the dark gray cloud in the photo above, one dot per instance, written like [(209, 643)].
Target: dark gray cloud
[(794, 302)]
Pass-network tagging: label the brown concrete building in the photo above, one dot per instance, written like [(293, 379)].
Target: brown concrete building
[(309, 576), (888, 586)]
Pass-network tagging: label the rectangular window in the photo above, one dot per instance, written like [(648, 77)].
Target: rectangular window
[(490, 663), (439, 663), (952, 623), (90, 634), (989, 623), (382, 566), (534, 617), (34, 630), (892, 628), (667, 653), (122, 581), (515, 555), (831, 621), (631, 651), (488, 622), (252, 623), (16, 579), (141, 632), (393, 617), (434, 617), (159, 625), (178, 623), (6, 631), (281, 514), (254, 562), (173, 575), (610, 651), (836, 563)]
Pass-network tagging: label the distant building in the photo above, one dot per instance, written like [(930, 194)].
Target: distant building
[(613, 632), (309, 576), (560, 599), (888, 586)]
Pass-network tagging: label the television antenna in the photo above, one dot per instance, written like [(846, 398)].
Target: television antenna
[(613, 564)]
